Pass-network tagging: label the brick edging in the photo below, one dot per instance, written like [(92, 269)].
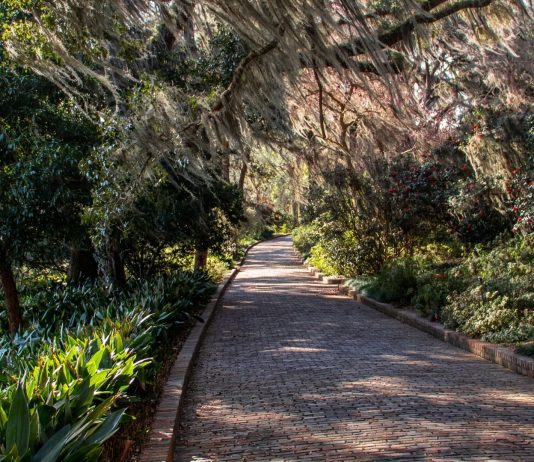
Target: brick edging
[(497, 354), (160, 444)]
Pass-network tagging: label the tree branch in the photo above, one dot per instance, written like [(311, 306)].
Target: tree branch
[(345, 52), (238, 73), (321, 113), (397, 33)]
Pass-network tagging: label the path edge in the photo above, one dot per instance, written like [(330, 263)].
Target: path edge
[(497, 354), (161, 441), (503, 356)]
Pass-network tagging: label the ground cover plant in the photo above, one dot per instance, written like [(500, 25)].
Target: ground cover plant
[(66, 379)]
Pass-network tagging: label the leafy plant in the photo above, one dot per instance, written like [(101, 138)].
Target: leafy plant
[(397, 282), (68, 376), (498, 301), (305, 237)]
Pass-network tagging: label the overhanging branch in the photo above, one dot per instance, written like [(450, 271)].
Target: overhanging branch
[(399, 32), (345, 53), (238, 73)]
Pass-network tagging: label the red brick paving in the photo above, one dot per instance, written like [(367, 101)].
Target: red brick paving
[(289, 371)]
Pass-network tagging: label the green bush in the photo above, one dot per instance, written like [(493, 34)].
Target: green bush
[(488, 295), (321, 259), (430, 295), (498, 302), (397, 282), (526, 349), (305, 237), (434, 284), (344, 253), (332, 252)]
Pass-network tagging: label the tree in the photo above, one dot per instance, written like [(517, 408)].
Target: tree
[(354, 39), (42, 190)]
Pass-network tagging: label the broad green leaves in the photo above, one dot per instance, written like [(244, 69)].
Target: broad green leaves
[(18, 425), (60, 383)]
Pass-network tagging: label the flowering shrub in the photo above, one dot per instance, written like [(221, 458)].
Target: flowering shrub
[(522, 204)]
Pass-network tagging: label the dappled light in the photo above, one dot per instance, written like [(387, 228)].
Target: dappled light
[(231, 175), (296, 373)]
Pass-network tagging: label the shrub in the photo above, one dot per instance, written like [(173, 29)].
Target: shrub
[(397, 282), (436, 279), (526, 349), (305, 237), (498, 303), (322, 260), (345, 253)]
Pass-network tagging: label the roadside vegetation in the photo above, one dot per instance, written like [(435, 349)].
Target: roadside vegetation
[(145, 144), (432, 238)]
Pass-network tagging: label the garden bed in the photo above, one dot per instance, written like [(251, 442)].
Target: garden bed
[(127, 443), (503, 355), (500, 354)]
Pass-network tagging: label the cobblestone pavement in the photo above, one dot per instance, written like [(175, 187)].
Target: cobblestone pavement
[(290, 371)]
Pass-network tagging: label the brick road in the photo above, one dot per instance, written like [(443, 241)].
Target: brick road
[(289, 371)]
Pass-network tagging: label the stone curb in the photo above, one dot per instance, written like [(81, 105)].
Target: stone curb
[(499, 355), (160, 444), (490, 351)]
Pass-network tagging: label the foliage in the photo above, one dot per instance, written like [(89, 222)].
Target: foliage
[(396, 282), (489, 294), (357, 230), (62, 406), (305, 237), (498, 303), (526, 349), (157, 101), (322, 260), (86, 348), (42, 190), (522, 188), (188, 218)]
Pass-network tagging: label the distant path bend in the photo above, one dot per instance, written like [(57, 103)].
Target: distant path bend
[(290, 371)]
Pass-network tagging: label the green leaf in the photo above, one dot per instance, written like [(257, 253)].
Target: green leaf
[(99, 378), (85, 394), (86, 453), (18, 423), (3, 417), (93, 455), (34, 429), (119, 345), (46, 414), (108, 428), (52, 448), (94, 363)]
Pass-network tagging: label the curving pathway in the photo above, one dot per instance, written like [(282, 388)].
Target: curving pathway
[(290, 371)]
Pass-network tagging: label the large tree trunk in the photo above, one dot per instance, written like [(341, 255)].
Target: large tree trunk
[(83, 266), (14, 313), (201, 259), (116, 265)]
